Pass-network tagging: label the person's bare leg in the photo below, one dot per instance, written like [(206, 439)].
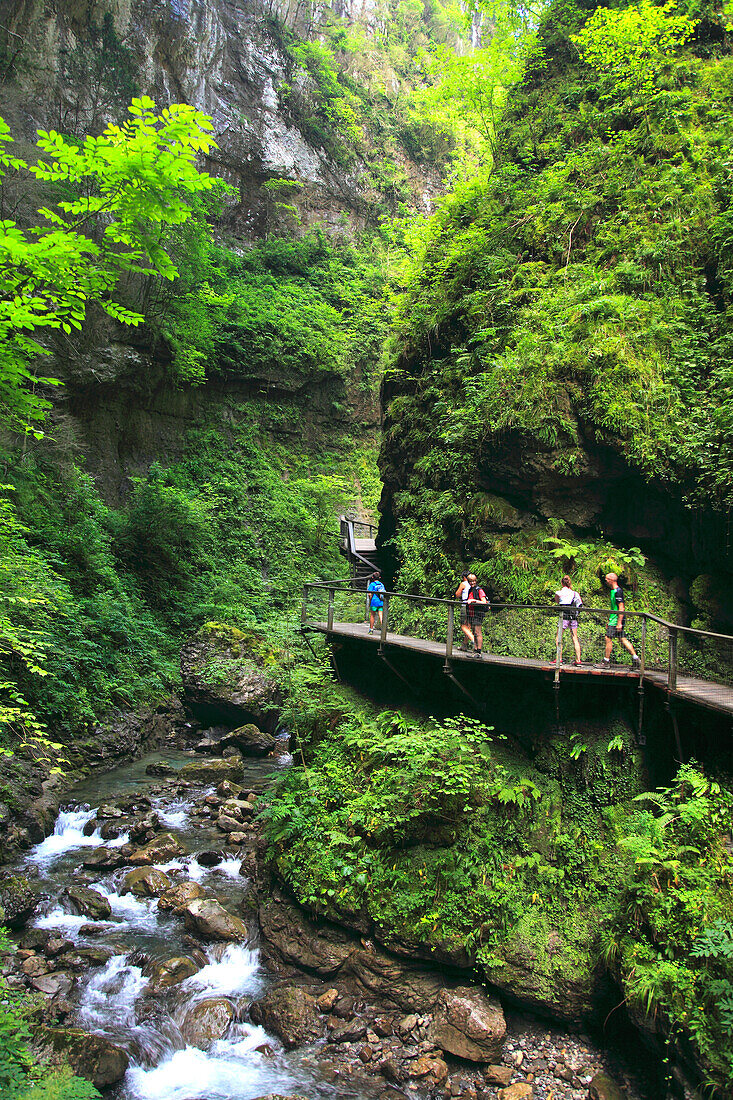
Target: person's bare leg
[(371, 620), (628, 646), (380, 616), (576, 645), (479, 634), (609, 644), (468, 633)]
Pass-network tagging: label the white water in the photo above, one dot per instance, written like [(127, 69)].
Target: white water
[(232, 1068), (68, 923), (68, 834), (173, 814), (140, 914), (234, 974), (109, 997)]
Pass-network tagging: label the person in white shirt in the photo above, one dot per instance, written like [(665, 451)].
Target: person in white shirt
[(568, 598), (462, 594)]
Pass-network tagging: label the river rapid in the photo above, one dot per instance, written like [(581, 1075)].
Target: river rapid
[(115, 990)]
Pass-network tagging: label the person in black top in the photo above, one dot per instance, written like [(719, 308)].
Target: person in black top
[(615, 628)]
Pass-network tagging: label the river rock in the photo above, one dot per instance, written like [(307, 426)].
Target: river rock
[(88, 903), (250, 740), (603, 1087), (207, 1021), (177, 897), (214, 770), (279, 1096), (468, 1024), (211, 920), (18, 901), (53, 985), (428, 1066), (173, 971), (228, 824), (209, 858), (160, 769), (227, 789), (223, 679), (146, 882), (90, 1056), (520, 1090), (108, 859), (160, 850), (498, 1075), (291, 1013)]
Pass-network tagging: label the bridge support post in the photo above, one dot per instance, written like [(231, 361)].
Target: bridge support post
[(640, 736), (558, 654), (673, 660), (676, 728), (449, 637), (642, 666), (331, 598), (304, 609), (385, 624)]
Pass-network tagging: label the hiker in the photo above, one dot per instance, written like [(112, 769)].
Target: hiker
[(615, 627), (477, 604), (570, 601), (376, 602), (462, 594)]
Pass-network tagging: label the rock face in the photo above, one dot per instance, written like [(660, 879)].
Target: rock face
[(291, 1014), (18, 901), (212, 771), (210, 919), (90, 1056), (603, 1087), (468, 1024), (88, 903), (222, 681), (207, 1021)]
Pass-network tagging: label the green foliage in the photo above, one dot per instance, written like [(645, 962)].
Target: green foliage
[(672, 942), (21, 1075), (123, 189), (582, 284), (630, 46)]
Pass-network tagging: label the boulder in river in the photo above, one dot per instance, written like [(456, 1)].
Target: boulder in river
[(53, 985), (90, 1056), (172, 971), (146, 882), (88, 903), (160, 850), (603, 1087), (468, 1024), (291, 1013), (223, 678), (160, 769), (250, 740), (177, 897), (207, 1021), (209, 858), (211, 920), (214, 770), (107, 859), (18, 901)]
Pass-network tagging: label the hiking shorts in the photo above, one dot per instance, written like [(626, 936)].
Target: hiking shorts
[(376, 604), (572, 623), (464, 614), (614, 632), (476, 615)]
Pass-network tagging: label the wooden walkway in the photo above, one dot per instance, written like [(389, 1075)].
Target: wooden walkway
[(717, 697)]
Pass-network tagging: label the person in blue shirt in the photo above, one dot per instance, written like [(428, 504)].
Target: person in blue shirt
[(376, 600)]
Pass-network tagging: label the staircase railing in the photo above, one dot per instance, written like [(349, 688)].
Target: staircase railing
[(347, 528), (531, 631)]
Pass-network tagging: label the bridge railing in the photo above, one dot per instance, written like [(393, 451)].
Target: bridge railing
[(531, 631)]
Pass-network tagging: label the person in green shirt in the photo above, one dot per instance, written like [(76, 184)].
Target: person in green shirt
[(615, 628)]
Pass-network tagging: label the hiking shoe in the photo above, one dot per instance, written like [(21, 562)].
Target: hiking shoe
[(370, 631), (636, 661), (605, 663)]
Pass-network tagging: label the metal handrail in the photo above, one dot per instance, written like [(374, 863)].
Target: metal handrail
[(556, 609), (347, 532)]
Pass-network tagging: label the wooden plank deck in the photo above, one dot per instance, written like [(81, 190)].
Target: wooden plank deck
[(715, 696)]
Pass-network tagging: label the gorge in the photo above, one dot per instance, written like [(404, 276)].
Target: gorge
[(464, 274)]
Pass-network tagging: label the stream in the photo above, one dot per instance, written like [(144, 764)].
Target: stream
[(114, 991)]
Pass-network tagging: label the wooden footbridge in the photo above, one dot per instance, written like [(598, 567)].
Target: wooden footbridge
[(683, 663)]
